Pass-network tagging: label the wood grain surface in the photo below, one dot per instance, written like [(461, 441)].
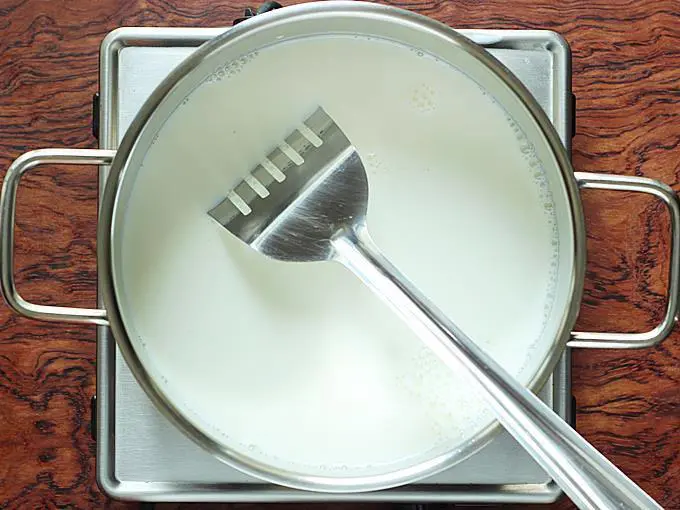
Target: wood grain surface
[(626, 62)]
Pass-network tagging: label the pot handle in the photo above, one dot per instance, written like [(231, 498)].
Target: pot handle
[(588, 180), (8, 196)]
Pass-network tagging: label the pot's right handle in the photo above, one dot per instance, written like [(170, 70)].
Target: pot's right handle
[(667, 195), (8, 197)]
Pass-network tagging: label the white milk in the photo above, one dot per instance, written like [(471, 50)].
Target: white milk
[(299, 364)]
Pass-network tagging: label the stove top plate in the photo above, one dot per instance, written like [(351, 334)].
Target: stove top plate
[(141, 456)]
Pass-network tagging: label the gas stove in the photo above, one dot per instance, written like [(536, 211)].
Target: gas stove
[(141, 456)]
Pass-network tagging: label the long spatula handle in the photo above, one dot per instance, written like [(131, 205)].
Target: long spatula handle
[(585, 475)]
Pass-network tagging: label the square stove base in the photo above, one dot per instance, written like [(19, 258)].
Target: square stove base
[(141, 456)]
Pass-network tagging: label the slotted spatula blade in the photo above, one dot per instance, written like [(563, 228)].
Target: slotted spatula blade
[(289, 204)]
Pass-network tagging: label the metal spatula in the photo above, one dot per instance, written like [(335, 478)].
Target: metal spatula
[(307, 201)]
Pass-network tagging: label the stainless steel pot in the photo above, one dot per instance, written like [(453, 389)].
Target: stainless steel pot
[(329, 17)]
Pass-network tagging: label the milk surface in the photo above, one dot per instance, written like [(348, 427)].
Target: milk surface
[(298, 364)]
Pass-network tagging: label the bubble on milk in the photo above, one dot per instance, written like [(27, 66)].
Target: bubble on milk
[(424, 98), (230, 69)]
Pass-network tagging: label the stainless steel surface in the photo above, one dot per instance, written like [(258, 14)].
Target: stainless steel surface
[(306, 20), (138, 448), (298, 216), (17, 169), (321, 198), (318, 213), (668, 196)]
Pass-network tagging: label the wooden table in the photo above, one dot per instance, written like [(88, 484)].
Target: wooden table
[(626, 62)]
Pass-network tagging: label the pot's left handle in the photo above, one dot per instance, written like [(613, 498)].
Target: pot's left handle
[(663, 329), (17, 169)]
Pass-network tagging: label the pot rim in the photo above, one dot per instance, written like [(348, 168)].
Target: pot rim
[(122, 161)]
